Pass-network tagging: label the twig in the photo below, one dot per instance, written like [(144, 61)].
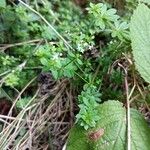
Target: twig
[(97, 70), (12, 118), (4, 73), (19, 95), (6, 46), (128, 108)]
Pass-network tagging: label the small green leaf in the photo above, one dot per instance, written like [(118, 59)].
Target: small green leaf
[(44, 61), (55, 74), (12, 79), (21, 103), (71, 54), (79, 61)]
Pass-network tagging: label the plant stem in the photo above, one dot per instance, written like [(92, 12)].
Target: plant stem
[(128, 108), (30, 8)]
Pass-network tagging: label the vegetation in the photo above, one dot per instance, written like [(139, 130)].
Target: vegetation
[(71, 62)]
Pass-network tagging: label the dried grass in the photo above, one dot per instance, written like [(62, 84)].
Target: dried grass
[(42, 125)]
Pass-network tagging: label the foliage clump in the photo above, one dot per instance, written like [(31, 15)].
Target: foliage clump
[(86, 51)]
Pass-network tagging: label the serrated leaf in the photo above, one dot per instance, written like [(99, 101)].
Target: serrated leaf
[(111, 130), (140, 37)]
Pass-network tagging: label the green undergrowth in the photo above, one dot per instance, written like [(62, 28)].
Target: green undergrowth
[(90, 47), (110, 131)]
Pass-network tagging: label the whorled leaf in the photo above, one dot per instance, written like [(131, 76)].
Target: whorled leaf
[(140, 37), (111, 131)]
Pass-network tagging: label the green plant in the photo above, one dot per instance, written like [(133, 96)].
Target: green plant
[(56, 57), (21, 103), (88, 115), (12, 79), (103, 135), (110, 131), (107, 19), (103, 15), (52, 60), (52, 49)]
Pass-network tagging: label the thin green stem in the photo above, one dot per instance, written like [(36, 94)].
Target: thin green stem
[(57, 33)]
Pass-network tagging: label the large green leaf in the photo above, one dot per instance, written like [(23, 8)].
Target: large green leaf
[(145, 1), (140, 37), (2, 3), (112, 129)]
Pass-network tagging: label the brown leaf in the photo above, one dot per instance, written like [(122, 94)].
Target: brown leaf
[(5, 106), (96, 134)]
